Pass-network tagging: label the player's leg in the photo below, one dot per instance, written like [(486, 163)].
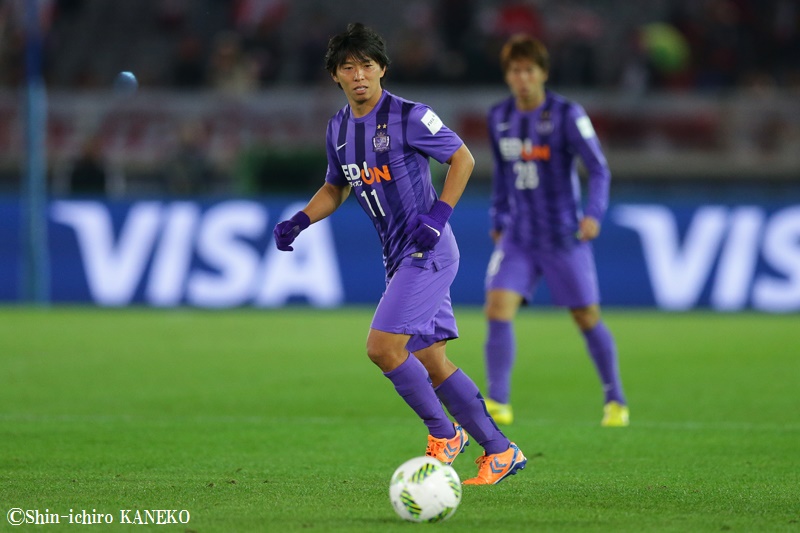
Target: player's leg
[(500, 351), (458, 392), (410, 380), (572, 278), (603, 351), (408, 307), (439, 368), (501, 457), (510, 278), (461, 397)]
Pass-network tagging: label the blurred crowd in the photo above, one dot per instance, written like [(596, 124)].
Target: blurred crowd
[(244, 45)]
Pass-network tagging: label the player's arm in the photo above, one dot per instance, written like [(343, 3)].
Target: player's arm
[(461, 165), (427, 133), (327, 200), (426, 229), (499, 207), (584, 140)]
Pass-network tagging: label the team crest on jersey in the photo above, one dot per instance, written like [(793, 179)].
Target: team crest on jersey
[(544, 126), (381, 141)]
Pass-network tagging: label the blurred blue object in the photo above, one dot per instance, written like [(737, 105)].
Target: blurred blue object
[(125, 83)]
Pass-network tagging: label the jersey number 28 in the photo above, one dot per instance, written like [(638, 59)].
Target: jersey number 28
[(527, 175)]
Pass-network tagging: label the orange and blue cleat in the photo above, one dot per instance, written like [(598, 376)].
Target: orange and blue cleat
[(492, 469), (446, 450)]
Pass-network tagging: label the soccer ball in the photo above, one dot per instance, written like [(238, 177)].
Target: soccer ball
[(425, 490)]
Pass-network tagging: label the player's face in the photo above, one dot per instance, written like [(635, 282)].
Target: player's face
[(361, 81), (526, 80)]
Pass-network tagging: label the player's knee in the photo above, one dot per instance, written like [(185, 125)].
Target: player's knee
[(439, 367), (386, 362), (385, 358), (499, 309), (376, 355), (586, 317)]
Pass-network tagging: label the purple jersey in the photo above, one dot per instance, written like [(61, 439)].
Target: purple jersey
[(383, 156), (536, 195)]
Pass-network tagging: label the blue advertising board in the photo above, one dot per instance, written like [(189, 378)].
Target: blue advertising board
[(171, 252)]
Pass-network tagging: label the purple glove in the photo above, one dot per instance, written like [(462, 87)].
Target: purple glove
[(425, 230), (288, 230)]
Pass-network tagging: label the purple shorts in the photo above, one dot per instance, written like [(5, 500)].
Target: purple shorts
[(417, 303), (570, 275)]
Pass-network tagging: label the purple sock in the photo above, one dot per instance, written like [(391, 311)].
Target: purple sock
[(603, 351), (500, 350), (464, 401), (411, 381)]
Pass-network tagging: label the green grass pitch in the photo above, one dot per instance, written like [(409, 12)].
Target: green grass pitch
[(255, 420)]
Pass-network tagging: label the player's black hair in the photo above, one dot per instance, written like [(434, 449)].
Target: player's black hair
[(357, 42), (523, 46)]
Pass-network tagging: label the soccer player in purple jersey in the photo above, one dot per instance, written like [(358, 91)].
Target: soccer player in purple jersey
[(539, 226), (378, 146)]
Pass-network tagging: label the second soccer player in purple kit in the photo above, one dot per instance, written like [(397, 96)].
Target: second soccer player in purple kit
[(540, 228)]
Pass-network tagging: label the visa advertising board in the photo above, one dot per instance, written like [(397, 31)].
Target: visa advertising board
[(220, 254)]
